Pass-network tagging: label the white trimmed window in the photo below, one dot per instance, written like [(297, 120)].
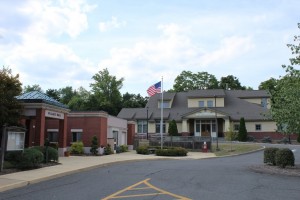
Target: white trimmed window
[(201, 104), (76, 135), (142, 126), (236, 127), (157, 126), (210, 103), (258, 127)]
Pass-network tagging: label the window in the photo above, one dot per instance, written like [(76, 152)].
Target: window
[(142, 126), (53, 136), (236, 127), (201, 104), (166, 104), (76, 136), (210, 103), (264, 102), (157, 126), (258, 127)]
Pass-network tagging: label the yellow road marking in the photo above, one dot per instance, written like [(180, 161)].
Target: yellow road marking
[(134, 187)]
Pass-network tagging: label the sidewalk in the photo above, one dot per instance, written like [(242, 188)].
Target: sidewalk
[(75, 164)]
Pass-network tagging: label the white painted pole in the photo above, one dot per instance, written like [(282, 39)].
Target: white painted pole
[(161, 113)]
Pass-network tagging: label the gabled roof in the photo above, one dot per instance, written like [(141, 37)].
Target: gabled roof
[(39, 97), (234, 105)]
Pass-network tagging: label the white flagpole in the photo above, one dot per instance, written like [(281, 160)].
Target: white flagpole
[(161, 113)]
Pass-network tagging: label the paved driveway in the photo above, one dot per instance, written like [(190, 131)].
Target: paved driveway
[(211, 179)]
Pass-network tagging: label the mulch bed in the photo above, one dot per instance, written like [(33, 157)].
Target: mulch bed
[(14, 170), (275, 170)]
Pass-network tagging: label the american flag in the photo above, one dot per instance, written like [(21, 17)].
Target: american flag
[(153, 89)]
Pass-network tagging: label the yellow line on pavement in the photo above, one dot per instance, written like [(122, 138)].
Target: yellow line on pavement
[(128, 188), (133, 187)]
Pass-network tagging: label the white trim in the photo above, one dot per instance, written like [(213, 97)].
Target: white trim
[(76, 130), (52, 130)]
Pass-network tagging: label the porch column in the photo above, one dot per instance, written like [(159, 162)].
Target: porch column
[(227, 124), (184, 127), (62, 135), (39, 134)]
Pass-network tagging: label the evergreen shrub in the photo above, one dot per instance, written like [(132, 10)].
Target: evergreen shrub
[(123, 148), (108, 150), (177, 151), (285, 157), (31, 158), (94, 145), (52, 153), (142, 150), (13, 156), (269, 155)]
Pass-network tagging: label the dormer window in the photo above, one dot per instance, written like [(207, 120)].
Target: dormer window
[(201, 104), (210, 103), (165, 104)]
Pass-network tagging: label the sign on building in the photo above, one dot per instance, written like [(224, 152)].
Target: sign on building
[(15, 140)]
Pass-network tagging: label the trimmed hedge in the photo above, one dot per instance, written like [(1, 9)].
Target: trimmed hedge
[(31, 158), (52, 153), (177, 151), (269, 155), (142, 150), (13, 156), (123, 148), (285, 157)]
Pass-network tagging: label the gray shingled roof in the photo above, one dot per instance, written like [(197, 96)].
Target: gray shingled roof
[(235, 106), (39, 97)]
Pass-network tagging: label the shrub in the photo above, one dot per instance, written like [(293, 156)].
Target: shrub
[(242, 135), (52, 153), (178, 151), (250, 138), (142, 150), (123, 148), (94, 145), (31, 158), (298, 138), (284, 140), (53, 145), (77, 148), (269, 155), (285, 157), (13, 156), (108, 150), (266, 140)]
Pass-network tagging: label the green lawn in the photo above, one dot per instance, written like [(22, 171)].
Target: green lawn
[(234, 148)]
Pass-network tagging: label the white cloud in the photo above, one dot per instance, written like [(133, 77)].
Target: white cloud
[(169, 55), (113, 23)]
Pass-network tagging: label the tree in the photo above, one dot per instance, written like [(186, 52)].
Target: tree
[(81, 100), (172, 130), (231, 82), (242, 135), (106, 89), (53, 93), (133, 101), (31, 88), (285, 98), (94, 145), (268, 84), (188, 80), (66, 94), (231, 135), (10, 87)]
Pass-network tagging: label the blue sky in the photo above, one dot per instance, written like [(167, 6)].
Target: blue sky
[(65, 42)]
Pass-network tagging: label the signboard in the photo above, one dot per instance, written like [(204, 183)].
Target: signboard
[(15, 140), (53, 114)]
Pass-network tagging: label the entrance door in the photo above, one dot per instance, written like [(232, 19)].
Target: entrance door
[(205, 129)]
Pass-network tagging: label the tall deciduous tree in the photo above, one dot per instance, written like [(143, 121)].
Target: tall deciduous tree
[(30, 88), (285, 98), (81, 100), (106, 88), (268, 84), (231, 82), (133, 101), (53, 93), (10, 87), (66, 94), (188, 80)]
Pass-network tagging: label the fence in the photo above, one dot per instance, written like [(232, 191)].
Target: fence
[(187, 142)]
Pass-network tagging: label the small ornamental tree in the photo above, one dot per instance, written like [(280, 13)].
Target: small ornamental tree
[(94, 146), (242, 135), (172, 130), (230, 135)]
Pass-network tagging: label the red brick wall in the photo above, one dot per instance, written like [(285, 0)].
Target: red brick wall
[(272, 135)]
